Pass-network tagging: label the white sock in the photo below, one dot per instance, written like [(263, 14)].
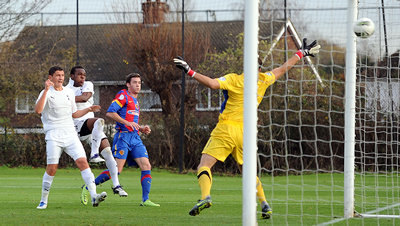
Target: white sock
[(88, 177), (46, 185), (111, 165), (97, 136)]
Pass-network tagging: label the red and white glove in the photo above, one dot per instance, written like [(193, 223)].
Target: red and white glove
[(308, 50), (181, 64)]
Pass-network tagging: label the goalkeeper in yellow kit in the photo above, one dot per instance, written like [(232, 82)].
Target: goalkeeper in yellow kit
[(227, 136)]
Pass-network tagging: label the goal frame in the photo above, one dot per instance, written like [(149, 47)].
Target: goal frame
[(350, 110), (250, 113)]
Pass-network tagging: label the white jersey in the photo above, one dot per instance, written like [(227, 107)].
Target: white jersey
[(58, 109), (86, 88)]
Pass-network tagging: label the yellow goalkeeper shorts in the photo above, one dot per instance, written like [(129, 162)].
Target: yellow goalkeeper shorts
[(225, 139)]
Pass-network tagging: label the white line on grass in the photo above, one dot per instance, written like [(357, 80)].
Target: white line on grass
[(369, 214), (79, 187)]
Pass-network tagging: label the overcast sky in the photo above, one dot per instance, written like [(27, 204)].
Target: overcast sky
[(323, 18)]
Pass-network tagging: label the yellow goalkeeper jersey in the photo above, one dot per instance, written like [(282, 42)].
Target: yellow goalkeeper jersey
[(233, 90)]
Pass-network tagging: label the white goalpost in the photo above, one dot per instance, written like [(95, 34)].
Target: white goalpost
[(350, 111), (350, 127), (250, 113)]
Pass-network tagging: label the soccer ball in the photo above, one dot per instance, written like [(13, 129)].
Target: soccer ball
[(364, 27)]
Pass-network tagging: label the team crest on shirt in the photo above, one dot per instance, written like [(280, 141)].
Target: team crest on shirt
[(269, 73), (222, 79), (121, 152), (121, 97)]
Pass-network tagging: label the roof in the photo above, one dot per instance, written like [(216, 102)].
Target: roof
[(101, 59)]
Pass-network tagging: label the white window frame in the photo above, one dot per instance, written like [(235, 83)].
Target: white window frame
[(148, 91), (25, 110), (96, 95), (209, 107)]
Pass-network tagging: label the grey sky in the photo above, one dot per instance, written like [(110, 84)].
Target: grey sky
[(323, 18)]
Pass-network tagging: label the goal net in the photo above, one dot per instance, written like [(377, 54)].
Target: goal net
[(301, 121)]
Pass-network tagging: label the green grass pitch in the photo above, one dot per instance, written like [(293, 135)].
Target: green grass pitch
[(20, 190)]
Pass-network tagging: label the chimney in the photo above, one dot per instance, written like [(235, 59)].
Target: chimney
[(153, 12)]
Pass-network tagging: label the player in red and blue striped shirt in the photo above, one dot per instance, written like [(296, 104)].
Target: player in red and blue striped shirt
[(127, 144)]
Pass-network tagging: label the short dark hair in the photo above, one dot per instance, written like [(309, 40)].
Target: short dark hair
[(54, 69), (130, 76), (259, 63), (74, 69)]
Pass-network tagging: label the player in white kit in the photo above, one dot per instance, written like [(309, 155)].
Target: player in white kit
[(90, 130), (56, 104)]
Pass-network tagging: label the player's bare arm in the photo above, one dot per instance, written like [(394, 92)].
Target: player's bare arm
[(306, 50), (114, 116), (278, 72), (205, 80), (80, 113), (83, 98), (40, 104)]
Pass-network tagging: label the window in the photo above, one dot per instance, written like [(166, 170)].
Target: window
[(25, 103), (96, 95), (149, 101), (209, 99)]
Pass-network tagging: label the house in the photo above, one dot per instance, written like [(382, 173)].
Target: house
[(106, 67)]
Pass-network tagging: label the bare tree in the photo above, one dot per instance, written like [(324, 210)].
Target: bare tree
[(150, 44), (270, 9), (17, 73), (151, 47), (13, 14), (151, 50), (175, 6), (133, 11)]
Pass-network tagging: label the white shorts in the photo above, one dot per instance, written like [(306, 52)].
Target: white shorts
[(78, 124), (58, 141), (87, 138)]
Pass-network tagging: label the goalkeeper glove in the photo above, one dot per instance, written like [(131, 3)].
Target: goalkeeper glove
[(181, 64), (308, 50)]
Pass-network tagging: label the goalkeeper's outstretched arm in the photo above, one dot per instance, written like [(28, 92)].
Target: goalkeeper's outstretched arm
[(207, 81), (279, 71), (203, 79), (306, 50)]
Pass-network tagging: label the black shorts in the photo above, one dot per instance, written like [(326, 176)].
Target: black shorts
[(85, 130)]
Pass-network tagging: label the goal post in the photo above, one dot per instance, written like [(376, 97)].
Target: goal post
[(250, 113), (350, 110)]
